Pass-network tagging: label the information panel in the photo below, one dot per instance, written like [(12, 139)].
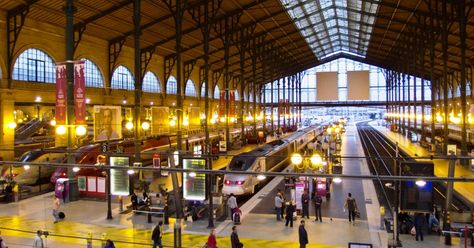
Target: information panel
[(119, 180), (194, 186)]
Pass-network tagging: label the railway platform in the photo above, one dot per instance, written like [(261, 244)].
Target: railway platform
[(441, 165), (19, 221)]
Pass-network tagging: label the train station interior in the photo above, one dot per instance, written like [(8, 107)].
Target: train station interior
[(210, 115)]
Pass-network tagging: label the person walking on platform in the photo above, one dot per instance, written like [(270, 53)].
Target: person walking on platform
[(2, 243), (351, 207), (317, 207), (211, 240), (157, 235), (278, 205), (419, 223), (234, 239), (289, 214), (305, 204), (303, 235), (56, 204), (38, 242), (232, 203), (282, 196)]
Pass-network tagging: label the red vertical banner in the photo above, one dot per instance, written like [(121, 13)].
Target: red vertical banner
[(222, 104), (232, 103), (60, 94), (79, 93)]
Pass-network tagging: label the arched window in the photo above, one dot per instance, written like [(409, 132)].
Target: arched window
[(34, 65), (250, 97), (93, 75), (203, 89), (217, 92), (151, 83), (190, 90), (171, 86), (122, 79), (237, 97)]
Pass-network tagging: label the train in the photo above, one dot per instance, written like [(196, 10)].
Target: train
[(269, 157), (32, 175)]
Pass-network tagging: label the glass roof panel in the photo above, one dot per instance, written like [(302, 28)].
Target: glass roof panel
[(319, 19)]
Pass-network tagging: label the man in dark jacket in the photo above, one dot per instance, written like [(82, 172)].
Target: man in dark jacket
[(289, 214), (317, 207), (303, 235), (234, 239), (305, 204), (157, 234)]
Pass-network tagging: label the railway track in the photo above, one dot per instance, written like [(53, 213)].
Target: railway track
[(381, 153)]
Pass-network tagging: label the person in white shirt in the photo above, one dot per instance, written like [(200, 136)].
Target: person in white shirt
[(278, 205), (38, 242), (232, 203)]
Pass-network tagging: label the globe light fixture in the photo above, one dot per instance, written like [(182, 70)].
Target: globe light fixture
[(129, 125), (81, 130), (145, 125), (61, 130)]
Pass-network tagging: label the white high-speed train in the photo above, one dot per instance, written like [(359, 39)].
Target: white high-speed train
[(269, 157)]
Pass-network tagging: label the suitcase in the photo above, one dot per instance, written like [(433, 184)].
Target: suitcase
[(61, 215), (237, 218)]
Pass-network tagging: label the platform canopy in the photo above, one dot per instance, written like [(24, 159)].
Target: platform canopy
[(288, 36)]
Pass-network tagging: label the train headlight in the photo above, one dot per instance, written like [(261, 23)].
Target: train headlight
[(261, 177), (240, 182), (227, 182)]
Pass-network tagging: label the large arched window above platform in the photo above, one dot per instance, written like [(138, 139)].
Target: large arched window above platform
[(151, 83), (190, 89), (237, 96), (217, 92), (172, 86), (93, 75), (34, 65), (250, 97), (122, 79)]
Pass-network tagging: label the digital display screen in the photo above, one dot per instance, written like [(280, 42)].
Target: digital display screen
[(194, 184), (119, 179)]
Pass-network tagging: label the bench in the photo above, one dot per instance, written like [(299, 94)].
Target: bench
[(153, 210)]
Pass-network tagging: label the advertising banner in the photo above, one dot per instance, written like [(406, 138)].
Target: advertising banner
[(107, 123), (194, 186), (222, 104), (232, 103), (60, 94), (119, 180), (79, 93), (299, 190), (160, 122)]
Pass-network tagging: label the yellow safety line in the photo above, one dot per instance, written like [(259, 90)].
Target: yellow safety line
[(78, 233)]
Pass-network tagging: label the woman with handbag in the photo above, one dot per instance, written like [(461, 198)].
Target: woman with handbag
[(211, 240)]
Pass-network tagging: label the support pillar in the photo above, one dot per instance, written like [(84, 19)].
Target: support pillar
[(7, 133)]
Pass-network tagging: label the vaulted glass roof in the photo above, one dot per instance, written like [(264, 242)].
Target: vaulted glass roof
[(331, 27)]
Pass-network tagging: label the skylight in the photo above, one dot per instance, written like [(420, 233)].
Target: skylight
[(334, 26)]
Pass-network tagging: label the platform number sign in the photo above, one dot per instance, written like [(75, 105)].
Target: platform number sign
[(105, 147)]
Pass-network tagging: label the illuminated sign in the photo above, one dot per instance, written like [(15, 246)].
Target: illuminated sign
[(119, 179), (194, 183)]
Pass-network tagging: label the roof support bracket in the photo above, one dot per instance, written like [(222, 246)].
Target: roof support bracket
[(115, 48), (188, 69), (146, 56), (15, 21)]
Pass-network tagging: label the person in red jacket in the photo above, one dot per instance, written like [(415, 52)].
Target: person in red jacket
[(211, 240)]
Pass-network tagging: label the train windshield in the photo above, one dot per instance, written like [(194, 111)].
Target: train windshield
[(238, 165)]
